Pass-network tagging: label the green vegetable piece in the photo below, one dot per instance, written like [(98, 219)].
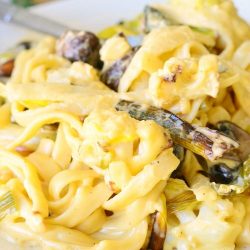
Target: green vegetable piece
[(128, 28), (203, 30), (7, 204), (154, 18), (208, 143), (183, 201)]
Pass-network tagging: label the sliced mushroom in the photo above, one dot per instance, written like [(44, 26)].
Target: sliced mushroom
[(111, 77), (6, 68), (158, 233), (228, 181), (26, 44), (236, 133), (221, 173), (80, 46), (149, 232), (157, 229), (231, 173)]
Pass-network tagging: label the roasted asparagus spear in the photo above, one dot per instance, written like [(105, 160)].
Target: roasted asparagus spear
[(206, 142), (228, 143)]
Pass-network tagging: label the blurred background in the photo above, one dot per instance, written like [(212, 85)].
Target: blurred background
[(26, 3), (93, 15)]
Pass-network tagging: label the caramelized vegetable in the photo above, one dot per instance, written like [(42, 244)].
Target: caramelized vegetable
[(208, 143), (231, 174), (236, 133), (227, 181), (6, 68), (111, 77), (158, 233), (157, 227), (221, 173), (80, 46)]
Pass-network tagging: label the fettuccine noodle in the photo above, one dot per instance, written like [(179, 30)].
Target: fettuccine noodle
[(85, 176)]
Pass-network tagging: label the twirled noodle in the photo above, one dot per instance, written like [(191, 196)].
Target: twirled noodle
[(80, 159), (176, 74), (194, 231), (114, 49), (221, 17), (241, 55)]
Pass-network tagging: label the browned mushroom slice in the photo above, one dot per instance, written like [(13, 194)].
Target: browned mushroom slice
[(6, 68), (158, 233), (229, 181), (80, 46), (231, 174), (111, 77), (149, 232), (236, 133)]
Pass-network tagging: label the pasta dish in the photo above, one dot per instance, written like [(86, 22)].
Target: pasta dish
[(137, 137)]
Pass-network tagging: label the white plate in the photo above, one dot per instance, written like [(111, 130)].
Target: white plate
[(87, 14)]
